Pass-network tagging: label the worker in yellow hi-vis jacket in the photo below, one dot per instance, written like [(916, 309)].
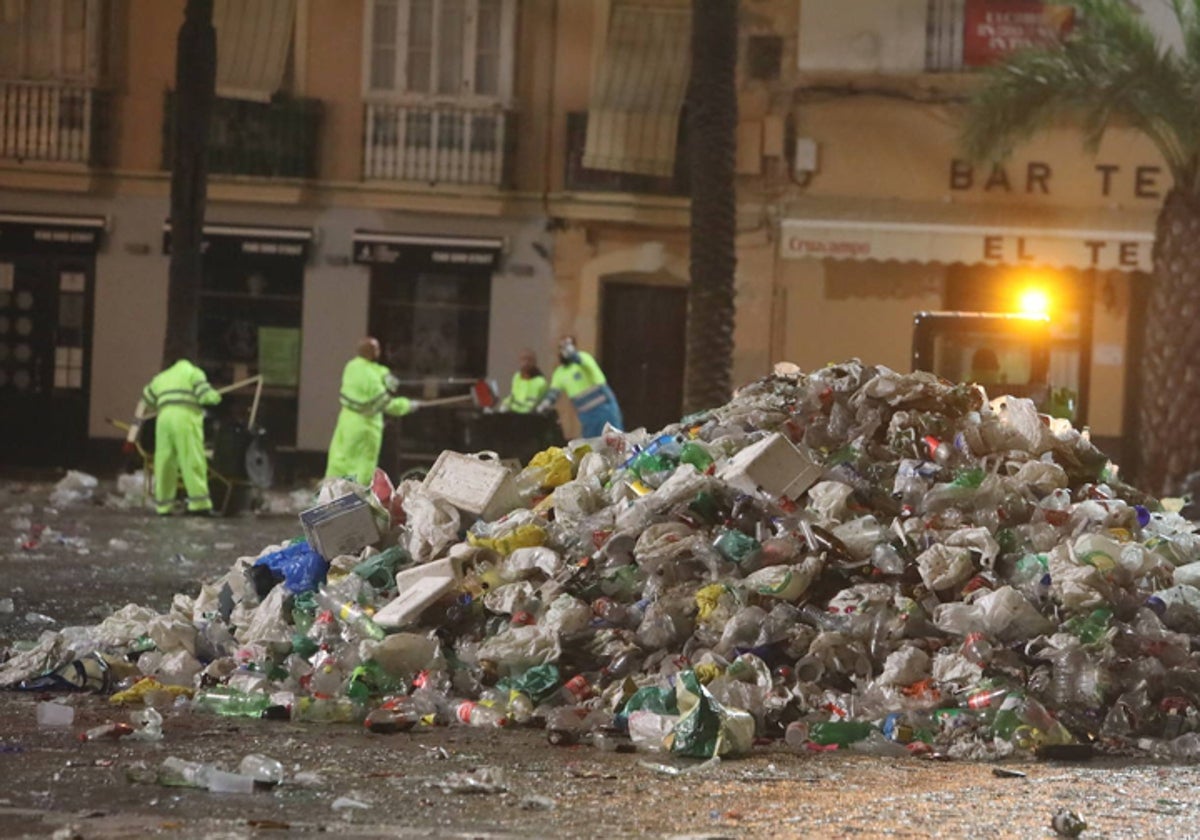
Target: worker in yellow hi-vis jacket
[(179, 395), (365, 397)]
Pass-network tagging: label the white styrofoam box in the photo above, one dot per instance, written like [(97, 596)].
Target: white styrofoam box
[(774, 465), (419, 587), (478, 486), (343, 526)]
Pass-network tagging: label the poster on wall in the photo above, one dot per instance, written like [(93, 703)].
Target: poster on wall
[(279, 356), (994, 28)]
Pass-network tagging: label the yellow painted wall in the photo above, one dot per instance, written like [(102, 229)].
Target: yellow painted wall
[(334, 75), (836, 311), (888, 147), (148, 71)]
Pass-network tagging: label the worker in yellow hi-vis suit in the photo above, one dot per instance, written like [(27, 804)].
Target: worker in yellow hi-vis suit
[(365, 398), (179, 395)]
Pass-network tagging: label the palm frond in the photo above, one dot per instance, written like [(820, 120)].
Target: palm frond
[(1111, 69)]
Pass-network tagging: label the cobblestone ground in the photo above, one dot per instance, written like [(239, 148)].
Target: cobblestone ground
[(343, 779)]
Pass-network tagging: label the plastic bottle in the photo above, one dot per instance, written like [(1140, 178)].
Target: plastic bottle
[(986, 698), (351, 615), (611, 612), (177, 772), (564, 726), (262, 769), (840, 732), (575, 690), (697, 455), (399, 714), (886, 559), (520, 707), (231, 703), (977, 648), (474, 714), (327, 710), (1090, 629), (109, 731)]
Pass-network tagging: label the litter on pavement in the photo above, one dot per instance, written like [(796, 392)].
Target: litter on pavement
[(851, 558)]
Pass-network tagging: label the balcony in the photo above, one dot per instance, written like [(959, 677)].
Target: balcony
[(438, 144), (276, 139), (578, 178), (52, 121)]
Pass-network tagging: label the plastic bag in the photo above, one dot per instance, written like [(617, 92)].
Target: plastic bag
[(785, 582), (943, 566), (510, 598), (74, 488), (517, 649), (905, 667), (538, 683), (432, 525), (705, 727), (299, 566)]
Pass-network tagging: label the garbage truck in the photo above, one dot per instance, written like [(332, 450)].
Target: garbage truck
[(1005, 352)]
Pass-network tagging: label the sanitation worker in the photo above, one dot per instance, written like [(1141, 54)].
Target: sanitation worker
[(179, 395), (528, 386), (585, 385), (365, 397)]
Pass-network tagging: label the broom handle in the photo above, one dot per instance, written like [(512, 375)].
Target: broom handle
[(446, 400), (256, 380)]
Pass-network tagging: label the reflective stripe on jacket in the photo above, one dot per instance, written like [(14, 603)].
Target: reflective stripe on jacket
[(182, 384)]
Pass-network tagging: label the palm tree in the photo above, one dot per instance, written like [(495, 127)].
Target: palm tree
[(195, 84), (712, 129), (1111, 70)]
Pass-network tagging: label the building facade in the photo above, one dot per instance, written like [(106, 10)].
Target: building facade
[(464, 178)]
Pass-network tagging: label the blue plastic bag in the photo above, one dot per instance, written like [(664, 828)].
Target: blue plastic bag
[(300, 567)]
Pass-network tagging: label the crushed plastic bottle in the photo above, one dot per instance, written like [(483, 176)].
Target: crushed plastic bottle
[(351, 615), (262, 769), (178, 772)]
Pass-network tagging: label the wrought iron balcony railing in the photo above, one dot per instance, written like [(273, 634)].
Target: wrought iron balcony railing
[(438, 144), (53, 121), (276, 139)]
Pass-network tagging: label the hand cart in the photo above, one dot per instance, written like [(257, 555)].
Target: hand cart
[(239, 459)]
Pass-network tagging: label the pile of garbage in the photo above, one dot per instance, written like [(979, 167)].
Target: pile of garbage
[(852, 558)]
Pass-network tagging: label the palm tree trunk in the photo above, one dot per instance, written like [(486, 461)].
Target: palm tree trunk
[(712, 130), (1168, 424), (195, 83)]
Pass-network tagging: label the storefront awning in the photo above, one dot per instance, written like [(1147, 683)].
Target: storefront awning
[(847, 229), (638, 91), (35, 233), (419, 252), (254, 39), (251, 240)]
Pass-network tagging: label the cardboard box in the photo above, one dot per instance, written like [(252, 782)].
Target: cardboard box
[(475, 485), (774, 466), (343, 526)]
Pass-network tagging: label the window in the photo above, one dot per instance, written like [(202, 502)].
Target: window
[(50, 39), (460, 49)]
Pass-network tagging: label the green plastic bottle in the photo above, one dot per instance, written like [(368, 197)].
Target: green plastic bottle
[(1090, 629), (230, 702), (695, 454), (840, 732)]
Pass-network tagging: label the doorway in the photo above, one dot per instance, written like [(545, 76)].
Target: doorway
[(643, 348), (46, 306)]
